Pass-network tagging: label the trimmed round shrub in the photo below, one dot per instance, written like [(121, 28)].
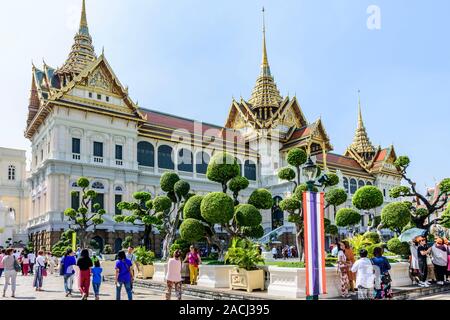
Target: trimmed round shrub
[(333, 180), (83, 182), (192, 230), (445, 185), (261, 199), (373, 237), (238, 183), (191, 209), (217, 207), (336, 197), (181, 188), (254, 232), (396, 215), (162, 203), (286, 174), (367, 198), (402, 161), (422, 212), (142, 196), (399, 191), (168, 180), (290, 204), (222, 168), (247, 215), (297, 157), (332, 230), (401, 248), (347, 217)]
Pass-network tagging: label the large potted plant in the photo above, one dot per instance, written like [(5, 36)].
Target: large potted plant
[(144, 262), (245, 255), (108, 254)]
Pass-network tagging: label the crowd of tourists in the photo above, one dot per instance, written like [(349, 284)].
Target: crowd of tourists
[(430, 263), (286, 252)]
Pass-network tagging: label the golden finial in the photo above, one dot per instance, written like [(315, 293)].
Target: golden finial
[(103, 51), (83, 22), (360, 119)]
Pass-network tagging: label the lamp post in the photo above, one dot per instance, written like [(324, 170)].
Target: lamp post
[(310, 171)]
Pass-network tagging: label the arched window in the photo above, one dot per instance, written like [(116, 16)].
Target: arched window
[(185, 161), (360, 184), (98, 185), (11, 173), (345, 180), (277, 213), (369, 183), (250, 170), (165, 160), (353, 186), (74, 184), (145, 154), (202, 162), (118, 189)]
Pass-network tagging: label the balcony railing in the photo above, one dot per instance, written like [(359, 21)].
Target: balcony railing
[(98, 159), (76, 156), (119, 163)]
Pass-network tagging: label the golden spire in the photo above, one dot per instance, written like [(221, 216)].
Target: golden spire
[(265, 92), (82, 53), (84, 29), (361, 142)]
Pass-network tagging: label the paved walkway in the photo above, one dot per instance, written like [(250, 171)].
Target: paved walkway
[(54, 290)]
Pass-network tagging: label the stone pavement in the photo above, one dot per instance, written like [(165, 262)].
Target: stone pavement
[(54, 290)]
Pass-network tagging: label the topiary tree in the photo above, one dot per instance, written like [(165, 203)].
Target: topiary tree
[(60, 247), (236, 185), (368, 198), (128, 242), (432, 206), (335, 197), (396, 216), (347, 217), (396, 246), (141, 214), (169, 208), (84, 219), (261, 199), (374, 237), (222, 168)]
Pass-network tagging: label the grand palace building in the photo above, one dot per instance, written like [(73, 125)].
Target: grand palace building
[(82, 122)]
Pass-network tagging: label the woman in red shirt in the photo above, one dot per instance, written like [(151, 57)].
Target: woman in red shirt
[(194, 260)]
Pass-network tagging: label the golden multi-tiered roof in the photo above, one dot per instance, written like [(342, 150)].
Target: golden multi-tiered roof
[(82, 53), (265, 94), (361, 142)]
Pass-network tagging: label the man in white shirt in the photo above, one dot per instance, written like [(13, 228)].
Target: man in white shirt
[(364, 276), (32, 258), (274, 252)]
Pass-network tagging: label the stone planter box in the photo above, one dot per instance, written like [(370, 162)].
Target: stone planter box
[(160, 272), (214, 276), (145, 271), (290, 282), (109, 257), (109, 268), (241, 279)]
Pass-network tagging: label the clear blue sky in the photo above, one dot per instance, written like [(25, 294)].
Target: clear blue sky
[(189, 57)]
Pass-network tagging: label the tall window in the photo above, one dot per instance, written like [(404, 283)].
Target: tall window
[(165, 158), (76, 145), (100, 199), (250, 170), (145, 154), (240, 167), (345, 180), (202, 162), (353, 186), (185, 161), (98, 149), (119, 152), (118, 199), (75, 200), (11, 173)]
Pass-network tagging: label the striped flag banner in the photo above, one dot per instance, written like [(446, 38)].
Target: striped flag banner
[(314, 235)]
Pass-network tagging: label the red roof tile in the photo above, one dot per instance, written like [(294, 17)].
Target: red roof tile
[(338, 160)]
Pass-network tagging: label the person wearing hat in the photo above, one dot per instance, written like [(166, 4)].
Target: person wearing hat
[(440, 259), (422, 252)]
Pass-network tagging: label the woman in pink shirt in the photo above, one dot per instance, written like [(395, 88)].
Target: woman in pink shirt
[(173, 276)]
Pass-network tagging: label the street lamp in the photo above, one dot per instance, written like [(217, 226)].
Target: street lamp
[(310, 171)]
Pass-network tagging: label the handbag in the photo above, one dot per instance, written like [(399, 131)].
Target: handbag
[(17, 266), (44, 272)]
